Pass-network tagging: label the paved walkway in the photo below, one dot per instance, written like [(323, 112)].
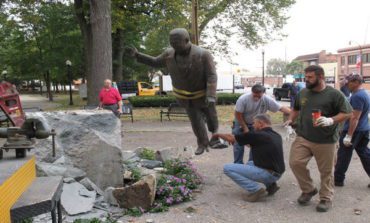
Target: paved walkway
[(36, 100), (220, 200)]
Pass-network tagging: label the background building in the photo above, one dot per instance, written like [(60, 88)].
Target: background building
[(317, 58), (349, 62)]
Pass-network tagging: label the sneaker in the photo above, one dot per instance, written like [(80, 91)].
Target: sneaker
[(338, 184), (217, 144), (201, 150), (256, 195), (306, 197), (323, 206), (271, 190)]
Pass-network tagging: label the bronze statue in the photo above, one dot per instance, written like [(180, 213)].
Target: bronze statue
[(194, 81)]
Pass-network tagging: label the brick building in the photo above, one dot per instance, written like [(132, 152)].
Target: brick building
[(348, 61), (271, 81), (317, 58)]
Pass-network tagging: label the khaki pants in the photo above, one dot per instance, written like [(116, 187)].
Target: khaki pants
[(301, 153)]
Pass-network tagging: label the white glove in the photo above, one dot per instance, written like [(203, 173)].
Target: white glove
[(347, 140), (324, 121)]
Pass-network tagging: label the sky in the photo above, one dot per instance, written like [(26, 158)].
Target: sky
[(314, 25)]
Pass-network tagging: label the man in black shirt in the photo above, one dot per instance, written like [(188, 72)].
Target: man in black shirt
[(268, 160)]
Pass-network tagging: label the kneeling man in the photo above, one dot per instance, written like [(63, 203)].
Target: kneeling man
[(267, 165)]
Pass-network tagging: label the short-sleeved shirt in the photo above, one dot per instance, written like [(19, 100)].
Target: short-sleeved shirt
[(331, 102), (267, 148), (250, 108), (293, 89), (109, 96), (360, 101)]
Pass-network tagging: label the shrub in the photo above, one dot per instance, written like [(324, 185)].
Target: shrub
[(165, 101), (152, 101), (134, 212), (147, 154)]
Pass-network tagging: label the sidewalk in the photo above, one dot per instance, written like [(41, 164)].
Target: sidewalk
[(36, 100)]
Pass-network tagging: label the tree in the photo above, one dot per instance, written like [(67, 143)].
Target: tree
[(295, 67), (35, 36), (94, 18), (253, 22), (276, 66)]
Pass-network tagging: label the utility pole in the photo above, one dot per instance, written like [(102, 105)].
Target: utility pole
[(263, 67), (194, 22)]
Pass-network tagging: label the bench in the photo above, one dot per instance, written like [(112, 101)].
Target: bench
[(127, 109), (174, 110), (41, 197)]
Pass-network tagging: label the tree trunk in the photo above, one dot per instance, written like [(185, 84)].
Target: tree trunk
[(48, 85), (118, 56), (101, 66), (97, 44), (85, 28)]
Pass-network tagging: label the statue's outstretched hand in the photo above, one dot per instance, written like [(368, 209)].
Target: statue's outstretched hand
[(131, 51)]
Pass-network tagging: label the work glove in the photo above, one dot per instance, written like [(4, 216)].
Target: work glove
[(324, 121), (347, 140), (288, 123)]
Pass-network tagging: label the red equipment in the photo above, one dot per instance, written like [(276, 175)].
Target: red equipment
[(10, 104)]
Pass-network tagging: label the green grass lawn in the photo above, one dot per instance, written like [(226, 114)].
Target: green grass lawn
[(225, 112), (225, 115)]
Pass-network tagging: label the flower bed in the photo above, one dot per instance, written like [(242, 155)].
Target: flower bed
[(175, 186)]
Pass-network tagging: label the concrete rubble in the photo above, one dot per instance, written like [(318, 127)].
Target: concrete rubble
[(140, 194), (76, 199), (166, 154)]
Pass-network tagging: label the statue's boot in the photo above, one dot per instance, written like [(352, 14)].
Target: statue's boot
[(201, 150)]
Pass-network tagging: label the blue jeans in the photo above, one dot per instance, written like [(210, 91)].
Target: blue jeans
[(249, 176), (239, 149), (292, 100), (359, 143)]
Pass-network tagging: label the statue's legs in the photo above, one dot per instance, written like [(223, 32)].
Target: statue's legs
[(196, 116), (210, 113)]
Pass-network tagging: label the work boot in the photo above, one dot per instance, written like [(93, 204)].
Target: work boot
[(271, 190), (217, 144), (323, 206), (306, 197), (338, 184), (256, 195), (200, 150)]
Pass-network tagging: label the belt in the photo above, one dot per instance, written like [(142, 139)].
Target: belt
[(109, 104), (182, 94), (273, 173)]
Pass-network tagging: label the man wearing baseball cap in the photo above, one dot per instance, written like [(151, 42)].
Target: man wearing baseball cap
[(355, 134)]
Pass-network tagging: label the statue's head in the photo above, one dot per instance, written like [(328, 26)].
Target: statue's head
[(180, 40)]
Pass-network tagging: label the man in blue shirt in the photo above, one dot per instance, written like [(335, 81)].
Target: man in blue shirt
[(355, 135)]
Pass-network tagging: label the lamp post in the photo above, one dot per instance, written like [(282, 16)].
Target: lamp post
[(69, 74), (3, 74), (263, 67), (360, 47)]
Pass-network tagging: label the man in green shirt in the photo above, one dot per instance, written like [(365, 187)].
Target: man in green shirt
[(317, 110)]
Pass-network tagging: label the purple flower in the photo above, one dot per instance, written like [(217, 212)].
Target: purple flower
[(169, 200)]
